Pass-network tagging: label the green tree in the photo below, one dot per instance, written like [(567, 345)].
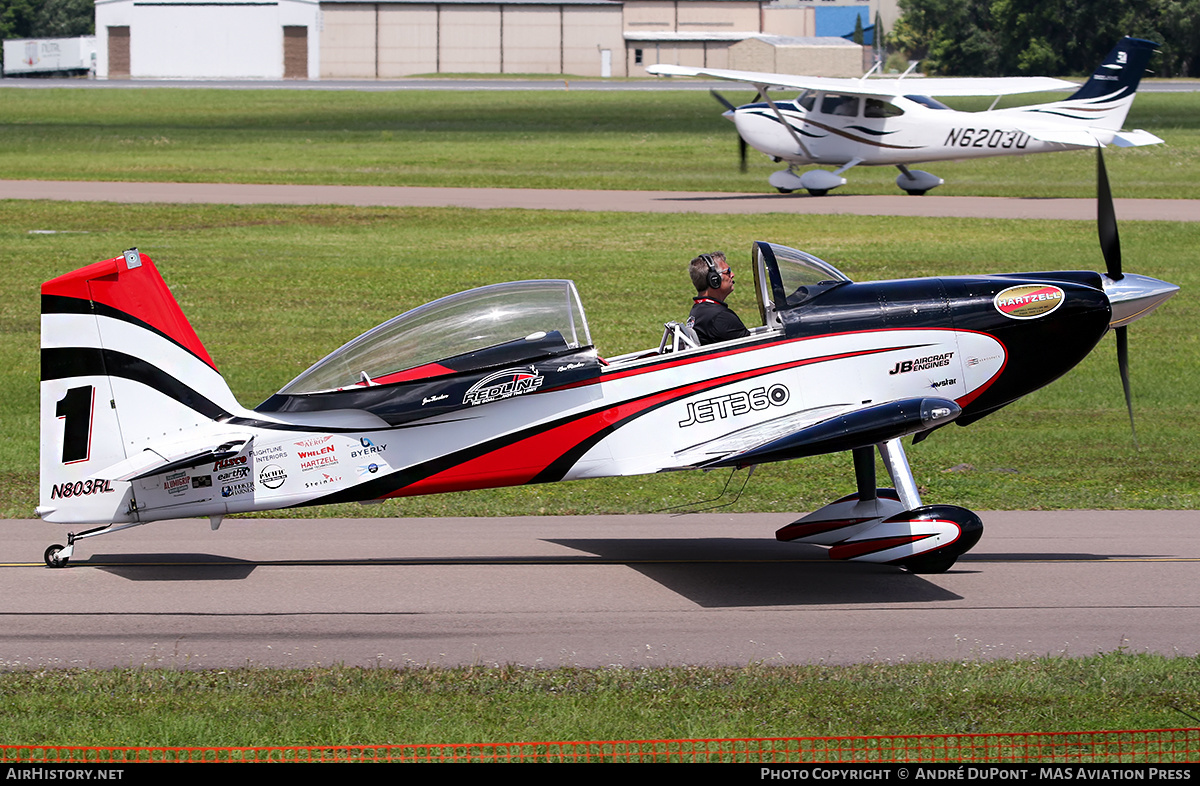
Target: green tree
[(46, 18), (1055, 37)]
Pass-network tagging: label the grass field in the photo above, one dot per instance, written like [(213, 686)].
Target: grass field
[(271, 290), (343, 706), (671, 140)]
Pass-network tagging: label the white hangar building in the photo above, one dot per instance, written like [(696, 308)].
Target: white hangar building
[(385, 39)]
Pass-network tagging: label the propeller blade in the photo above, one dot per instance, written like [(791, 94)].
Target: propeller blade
[(725, 102), (1123, 367), (1106, 221)]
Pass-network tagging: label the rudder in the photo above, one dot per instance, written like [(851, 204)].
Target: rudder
[(121, 365)]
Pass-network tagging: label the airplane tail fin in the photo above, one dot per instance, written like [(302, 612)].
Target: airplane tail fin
[(1108, 93), (121, 366)]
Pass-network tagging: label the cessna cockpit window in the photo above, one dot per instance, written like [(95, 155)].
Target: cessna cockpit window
[(878, 108), (845, 106), (501, 323), (807, 100)]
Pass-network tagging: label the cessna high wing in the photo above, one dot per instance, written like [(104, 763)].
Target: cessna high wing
[(898, 122), (501, 386)]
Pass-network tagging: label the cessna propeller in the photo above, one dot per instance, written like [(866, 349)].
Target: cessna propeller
[(725, 102)]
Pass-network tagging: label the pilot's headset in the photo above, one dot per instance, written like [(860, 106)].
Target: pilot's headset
[(714, 275)]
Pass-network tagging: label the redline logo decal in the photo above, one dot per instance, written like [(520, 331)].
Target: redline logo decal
[(1029, 301), (503, 384)]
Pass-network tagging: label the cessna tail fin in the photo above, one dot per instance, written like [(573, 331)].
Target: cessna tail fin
[(1104, 100), (121, 366)]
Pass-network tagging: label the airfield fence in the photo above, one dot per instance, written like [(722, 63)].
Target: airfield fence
[(1076, 747)]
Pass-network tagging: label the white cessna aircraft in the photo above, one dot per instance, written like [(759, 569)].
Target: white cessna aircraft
[(897, 122)]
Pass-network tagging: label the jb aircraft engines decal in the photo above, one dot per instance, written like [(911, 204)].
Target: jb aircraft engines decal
[(503, 384), (1029, 301)]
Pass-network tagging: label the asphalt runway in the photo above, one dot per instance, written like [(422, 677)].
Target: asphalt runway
[(609, 201), (590, 591)]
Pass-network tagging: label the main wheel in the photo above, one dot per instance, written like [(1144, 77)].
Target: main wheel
[(818, 191), (784, 190), (52, 558), (915, 192), (930, 563)]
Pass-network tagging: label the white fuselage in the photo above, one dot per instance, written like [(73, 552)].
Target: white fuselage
[(835, 130)]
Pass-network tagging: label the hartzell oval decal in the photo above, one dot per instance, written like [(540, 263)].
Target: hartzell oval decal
[(1029, 301)]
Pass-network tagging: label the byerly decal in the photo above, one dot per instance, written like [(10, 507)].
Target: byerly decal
[(1029, 301), (368, 448), (503, 384), (737, 403)]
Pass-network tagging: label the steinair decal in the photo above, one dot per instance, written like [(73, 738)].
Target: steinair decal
[(733, 404), (503, 384), (1029, 301)]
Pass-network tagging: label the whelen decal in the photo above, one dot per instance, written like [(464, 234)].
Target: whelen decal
[(1029, 301)]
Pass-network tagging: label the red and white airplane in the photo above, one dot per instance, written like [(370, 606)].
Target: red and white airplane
[(897, 122), (501, 386)]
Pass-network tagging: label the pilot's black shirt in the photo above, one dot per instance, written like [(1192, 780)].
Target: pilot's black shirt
[(714, 321)]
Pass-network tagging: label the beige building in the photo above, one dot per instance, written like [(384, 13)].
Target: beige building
[(394, 38), (350, 39)]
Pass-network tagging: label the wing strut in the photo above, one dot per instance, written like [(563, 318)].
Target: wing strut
[(762, 89), (897, 464)]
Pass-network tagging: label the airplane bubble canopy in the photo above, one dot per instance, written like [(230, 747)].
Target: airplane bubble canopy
[(498, 324)]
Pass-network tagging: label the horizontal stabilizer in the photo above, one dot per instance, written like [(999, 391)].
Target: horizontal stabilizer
[(181, 455), (857, 428), (1135, 138)]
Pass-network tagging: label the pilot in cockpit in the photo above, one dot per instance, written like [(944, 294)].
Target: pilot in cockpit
[(712, 320)]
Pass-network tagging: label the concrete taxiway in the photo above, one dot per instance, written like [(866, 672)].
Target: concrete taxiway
[(589, 591)]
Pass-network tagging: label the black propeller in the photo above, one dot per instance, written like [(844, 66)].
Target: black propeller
[(725, 102), (1110, 246)]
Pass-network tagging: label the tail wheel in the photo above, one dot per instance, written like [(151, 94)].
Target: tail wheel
[(52, 558)]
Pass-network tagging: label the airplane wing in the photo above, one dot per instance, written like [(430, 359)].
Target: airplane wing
[(883, 88), (822, 430)]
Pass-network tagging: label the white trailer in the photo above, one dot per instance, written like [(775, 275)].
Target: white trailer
[(49, 55)]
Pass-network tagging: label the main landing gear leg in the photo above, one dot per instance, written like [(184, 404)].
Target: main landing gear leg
[(57, 555)]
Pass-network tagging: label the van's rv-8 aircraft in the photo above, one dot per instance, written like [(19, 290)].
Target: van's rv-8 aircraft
[(501, 386), (899, 122)]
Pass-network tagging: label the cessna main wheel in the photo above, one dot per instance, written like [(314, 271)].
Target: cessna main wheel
[(52, 558)]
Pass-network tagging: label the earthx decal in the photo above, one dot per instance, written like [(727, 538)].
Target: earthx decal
[(1029, 301)]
